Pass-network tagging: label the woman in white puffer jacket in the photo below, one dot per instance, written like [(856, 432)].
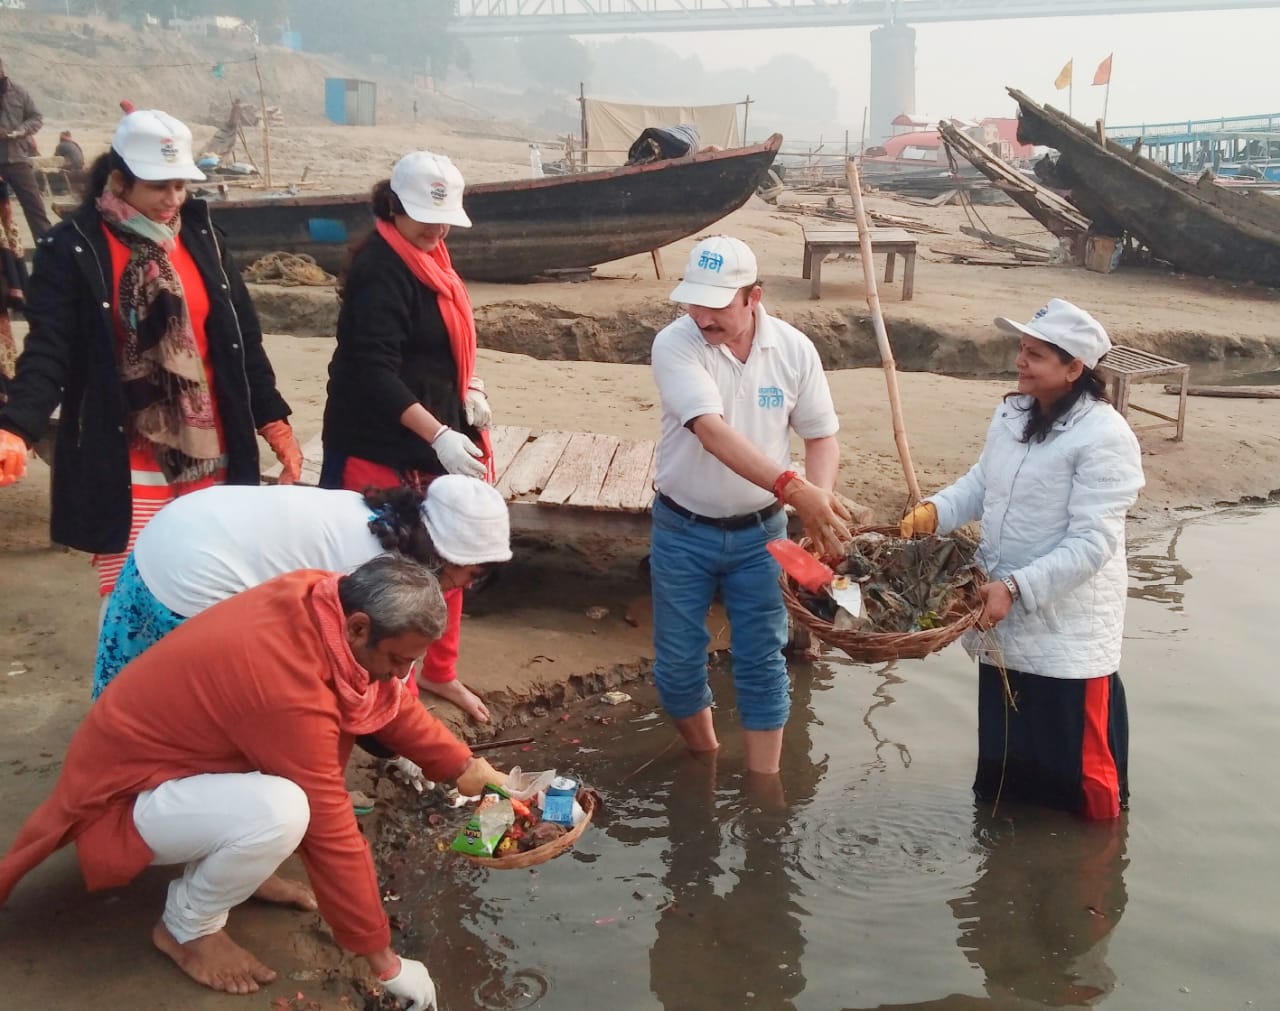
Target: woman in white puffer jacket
[(1057, 475)]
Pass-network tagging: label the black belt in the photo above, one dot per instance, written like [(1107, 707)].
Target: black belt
[(723, 522)]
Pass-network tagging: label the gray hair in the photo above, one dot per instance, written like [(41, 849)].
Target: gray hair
[(398, 594)]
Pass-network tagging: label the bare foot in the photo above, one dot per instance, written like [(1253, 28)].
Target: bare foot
[(214, 961), (287, 892), (461, 696)]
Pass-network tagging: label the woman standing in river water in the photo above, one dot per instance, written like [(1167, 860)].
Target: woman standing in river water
[(1057, 475)]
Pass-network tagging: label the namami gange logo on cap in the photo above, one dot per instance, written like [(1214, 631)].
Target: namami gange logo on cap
[(438, 193), (168, 150)]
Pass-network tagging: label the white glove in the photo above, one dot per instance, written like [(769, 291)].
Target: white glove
[(412, 986), (458, 454), (479, 414), (412, 771)]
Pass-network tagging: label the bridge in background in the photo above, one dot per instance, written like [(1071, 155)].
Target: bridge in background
[(893, 45), (619, 17)]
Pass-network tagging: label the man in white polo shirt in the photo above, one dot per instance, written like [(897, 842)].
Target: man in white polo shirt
[(734, 382)]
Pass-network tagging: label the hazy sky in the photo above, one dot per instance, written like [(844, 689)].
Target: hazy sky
[(1170, 66)]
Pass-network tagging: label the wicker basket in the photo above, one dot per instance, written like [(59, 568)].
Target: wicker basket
[(880, 647), (590, 801)]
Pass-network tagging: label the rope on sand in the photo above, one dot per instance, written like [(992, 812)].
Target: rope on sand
[(288, 270)]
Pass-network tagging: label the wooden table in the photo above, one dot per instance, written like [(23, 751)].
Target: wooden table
[(1122, 364), (820, 242)]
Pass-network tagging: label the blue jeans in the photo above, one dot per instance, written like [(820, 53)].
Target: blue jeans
[(688, 562)]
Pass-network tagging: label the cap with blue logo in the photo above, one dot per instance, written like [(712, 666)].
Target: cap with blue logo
[(1066, 326), (718, 266)]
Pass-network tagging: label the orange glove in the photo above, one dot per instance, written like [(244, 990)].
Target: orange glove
[(13, 458), (920, 521), (284, 444)]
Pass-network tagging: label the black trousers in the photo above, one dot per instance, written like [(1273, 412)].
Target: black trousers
[(21, 178)]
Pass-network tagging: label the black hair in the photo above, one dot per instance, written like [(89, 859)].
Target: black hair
[(398, 525), (100, 171), (386, 205), (1040, 422)]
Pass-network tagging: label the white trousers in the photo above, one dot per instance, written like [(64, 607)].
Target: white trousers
[(231, 830)]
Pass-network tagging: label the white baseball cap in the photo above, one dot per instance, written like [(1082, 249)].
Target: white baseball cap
[(155, 146), (717, 268), (467, 520), (430, 188), (1066, 326)]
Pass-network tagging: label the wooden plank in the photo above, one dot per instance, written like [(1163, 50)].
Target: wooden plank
[(580, 471), (629, 474), (1241, 392), (566, 521), (644, 501), (533, 465), (506, 441)]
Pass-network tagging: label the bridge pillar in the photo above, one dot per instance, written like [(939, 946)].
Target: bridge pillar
[(893, 78)]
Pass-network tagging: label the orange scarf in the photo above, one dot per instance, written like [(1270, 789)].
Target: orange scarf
[(364, 706), (435, 270)]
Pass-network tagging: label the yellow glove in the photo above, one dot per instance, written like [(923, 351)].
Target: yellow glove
[(13, 458), (921, 521)]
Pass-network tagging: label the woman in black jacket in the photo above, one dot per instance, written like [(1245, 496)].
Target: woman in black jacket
[(404, 404), (145, 334)]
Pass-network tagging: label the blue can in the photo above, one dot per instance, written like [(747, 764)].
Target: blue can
[(563, 786)]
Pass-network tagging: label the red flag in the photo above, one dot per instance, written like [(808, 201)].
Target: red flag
[(1103, 74)]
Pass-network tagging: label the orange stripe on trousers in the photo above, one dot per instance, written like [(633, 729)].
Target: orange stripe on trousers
[(1099, 778)]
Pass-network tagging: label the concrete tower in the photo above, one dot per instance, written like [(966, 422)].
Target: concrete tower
[(893, 77)]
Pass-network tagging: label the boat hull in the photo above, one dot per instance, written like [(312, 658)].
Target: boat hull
[(1200, 228), (524, 228)]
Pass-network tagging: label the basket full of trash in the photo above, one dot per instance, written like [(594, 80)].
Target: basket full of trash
[(530, 820), (889, 598)]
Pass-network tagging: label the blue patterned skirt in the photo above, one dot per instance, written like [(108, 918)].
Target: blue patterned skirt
[(133, 621)]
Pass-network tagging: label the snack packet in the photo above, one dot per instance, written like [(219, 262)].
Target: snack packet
[(492, 817)]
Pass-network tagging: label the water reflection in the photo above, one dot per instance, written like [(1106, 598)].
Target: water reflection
[(1038, 919), (731, 935), (1155, 573)]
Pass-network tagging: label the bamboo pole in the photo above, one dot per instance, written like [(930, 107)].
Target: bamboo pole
[(882, 337), (266, 127)]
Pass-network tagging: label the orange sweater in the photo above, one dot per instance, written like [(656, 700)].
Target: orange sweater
[(244, 686)]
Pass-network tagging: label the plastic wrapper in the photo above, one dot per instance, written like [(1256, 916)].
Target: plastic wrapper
[(493, 816)]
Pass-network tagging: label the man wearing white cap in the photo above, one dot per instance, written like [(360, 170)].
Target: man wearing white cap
[(1057, 475), (735, 383), (144, 332)]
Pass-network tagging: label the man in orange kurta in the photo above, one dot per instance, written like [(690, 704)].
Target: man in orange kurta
[(270, 686)]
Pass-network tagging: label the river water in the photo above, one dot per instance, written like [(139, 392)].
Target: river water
[(879, 883)]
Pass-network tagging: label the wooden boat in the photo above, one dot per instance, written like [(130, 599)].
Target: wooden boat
[(1199, 227), (528, 226)]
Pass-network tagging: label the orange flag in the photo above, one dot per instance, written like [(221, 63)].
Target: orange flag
[(1103, 74), (1064, 77)]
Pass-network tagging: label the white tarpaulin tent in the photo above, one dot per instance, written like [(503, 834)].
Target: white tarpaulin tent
[(612, 127)]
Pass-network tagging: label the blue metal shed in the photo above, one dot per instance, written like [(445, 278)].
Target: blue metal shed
[(350, 101)]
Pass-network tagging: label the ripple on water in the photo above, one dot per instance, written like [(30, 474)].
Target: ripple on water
[(511, 991), (906, 842)]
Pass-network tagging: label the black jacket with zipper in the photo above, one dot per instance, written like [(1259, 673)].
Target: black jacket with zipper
[(393, 351), (70, 359)]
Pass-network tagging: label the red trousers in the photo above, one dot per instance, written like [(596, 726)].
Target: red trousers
[(440, 663)]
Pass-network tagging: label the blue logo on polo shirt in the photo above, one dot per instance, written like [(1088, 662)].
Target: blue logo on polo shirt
[(769, 396)]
